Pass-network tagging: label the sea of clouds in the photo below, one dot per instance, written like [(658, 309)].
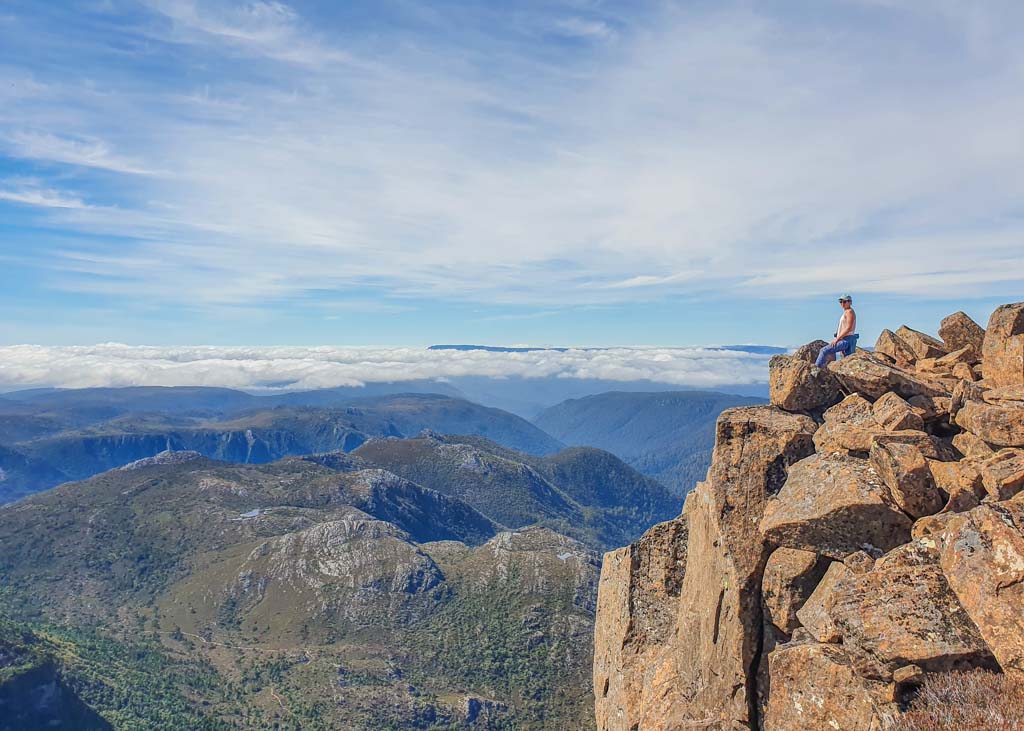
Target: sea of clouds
[(301, 368)]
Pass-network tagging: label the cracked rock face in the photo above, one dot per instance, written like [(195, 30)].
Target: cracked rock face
[(672, 648), (903, 612), (815, 687), (1003, 347), (824, 562), (835, 505), (982, 558)]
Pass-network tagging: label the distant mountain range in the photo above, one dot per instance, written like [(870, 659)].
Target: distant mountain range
[(667, 435), (56, 436), (429, 561), (428, 583)]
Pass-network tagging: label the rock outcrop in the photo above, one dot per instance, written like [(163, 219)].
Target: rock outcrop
[(866, 528), (659, 664)]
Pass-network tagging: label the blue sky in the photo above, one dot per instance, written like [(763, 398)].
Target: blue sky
[(572, 172)]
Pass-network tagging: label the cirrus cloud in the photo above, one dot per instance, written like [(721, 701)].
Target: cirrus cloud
[(261, 151)]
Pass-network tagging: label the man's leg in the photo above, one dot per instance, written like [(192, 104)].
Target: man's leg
[(827, 355)]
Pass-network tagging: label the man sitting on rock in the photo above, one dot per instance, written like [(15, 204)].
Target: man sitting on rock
[(845, 342)]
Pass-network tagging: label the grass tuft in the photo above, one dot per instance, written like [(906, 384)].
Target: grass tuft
[(966, 701)]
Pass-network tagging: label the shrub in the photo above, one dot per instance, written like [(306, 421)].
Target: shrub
[(966, 701)]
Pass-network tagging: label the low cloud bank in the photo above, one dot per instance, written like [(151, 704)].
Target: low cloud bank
[(302, 368)]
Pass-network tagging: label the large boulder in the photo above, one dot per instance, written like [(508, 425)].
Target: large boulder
[(997, 425), (931, 408), (809, 352), (970, 445), (1002, 473), (966, 355), (982, 558), (959, 330), (895, 414), (796, 385), (1008, 396), (889, 344), (871, 376), (903, 612), (1003, 347), (703, 669), (924, 346), (814, 687), (834, 505), (816, 613), (854, 409), (960, 481), (790, 576), (905, 472)]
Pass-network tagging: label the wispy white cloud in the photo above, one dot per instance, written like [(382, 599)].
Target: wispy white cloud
[(730, 150), (585, 28), (111, 364), (92, 153), (32, 195), (258, 27)]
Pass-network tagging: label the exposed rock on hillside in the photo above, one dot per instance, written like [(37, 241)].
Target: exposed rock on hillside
[(658, 664), (839, 546)]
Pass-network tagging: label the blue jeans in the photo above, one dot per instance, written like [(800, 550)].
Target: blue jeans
[(846, 346)]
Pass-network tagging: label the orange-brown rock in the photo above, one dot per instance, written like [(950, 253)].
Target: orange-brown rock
[(982, 558), (814, 688), (638, 598), (959, 330), (809, 352), (931, 525), (924, 346), (1003, 347), (965, 391), (844, 438), (904, 470), (894, 414), (1009, 396), (960, 481), (1002, 473), (889, 344), (931, 408), (859, 562), (816, 614), (966, 355), (930, 446), (971, 446), (834, 505), (999, 425), (964, 372), (703, 670), (856, 438), (715, 620), (903, 612), (854, 409), (796, 385), (789, 578), (864, 373)]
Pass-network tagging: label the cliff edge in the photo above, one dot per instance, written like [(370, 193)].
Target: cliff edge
[(864, 530)]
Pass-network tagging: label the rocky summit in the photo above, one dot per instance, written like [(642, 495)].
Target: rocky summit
[(859, 534)]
